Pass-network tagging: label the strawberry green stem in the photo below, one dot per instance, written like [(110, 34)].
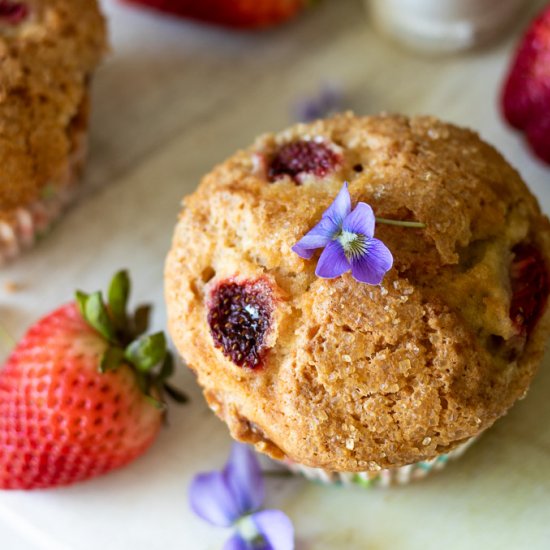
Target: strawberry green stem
[(147, 355), (277, 473)]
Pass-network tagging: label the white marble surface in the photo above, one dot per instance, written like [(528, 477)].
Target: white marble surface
[(172, 100)]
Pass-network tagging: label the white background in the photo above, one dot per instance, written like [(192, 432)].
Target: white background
[(172, 100)]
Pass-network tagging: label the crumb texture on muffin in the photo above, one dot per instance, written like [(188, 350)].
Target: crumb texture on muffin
[(48, 51), (355, 377)]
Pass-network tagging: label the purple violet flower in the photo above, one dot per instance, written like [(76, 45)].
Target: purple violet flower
[(328, 101), (233, 497), (347, 237)]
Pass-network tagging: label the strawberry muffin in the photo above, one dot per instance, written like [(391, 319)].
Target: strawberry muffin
[(354, 358), (48, 52)]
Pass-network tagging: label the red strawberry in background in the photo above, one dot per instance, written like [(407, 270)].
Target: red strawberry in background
[(244, 14), (82, 393), (12, 12), (538, 135), (526, 93)]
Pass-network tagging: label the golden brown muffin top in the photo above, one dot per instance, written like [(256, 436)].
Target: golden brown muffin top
[(48, 50), (348, 376)]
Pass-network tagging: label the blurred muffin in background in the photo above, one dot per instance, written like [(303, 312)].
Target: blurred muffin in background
[(49, 50)]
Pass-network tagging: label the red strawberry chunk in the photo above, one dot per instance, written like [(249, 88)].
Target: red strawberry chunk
[(298, 158), (530, 287), (239, 318)]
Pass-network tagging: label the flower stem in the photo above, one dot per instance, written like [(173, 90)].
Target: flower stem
[(400, 223), (277, 473)]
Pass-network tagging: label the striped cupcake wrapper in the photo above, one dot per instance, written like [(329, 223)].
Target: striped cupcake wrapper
[(382, 477), (29, 223)]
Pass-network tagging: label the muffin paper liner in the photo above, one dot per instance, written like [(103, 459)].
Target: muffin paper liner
[(32, 221), (382, 477)]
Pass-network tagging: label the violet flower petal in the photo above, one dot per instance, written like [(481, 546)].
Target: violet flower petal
[(360, 221), (331, 98), (332, 262), (276, 528), (325, 231), (340, 207), (371, 267), (305, 253), (244, 476), (236, 542), (212, 499), (328, 100), (318, 237), (307, 110)]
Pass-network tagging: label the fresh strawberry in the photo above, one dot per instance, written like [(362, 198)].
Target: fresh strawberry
[(82, 393), (244, 14), (538, 135), (526, 92)]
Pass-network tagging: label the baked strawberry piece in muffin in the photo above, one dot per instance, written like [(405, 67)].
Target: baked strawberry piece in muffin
[(364, 331), (48, 50)]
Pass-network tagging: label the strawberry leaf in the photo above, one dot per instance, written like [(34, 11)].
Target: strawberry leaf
[(147, 352), (141, 319), (97, 316), (175, 394), (142, 382), (167, 368), (147, 356), (119, 292), (81, 298), (156, 403), (111, 359)]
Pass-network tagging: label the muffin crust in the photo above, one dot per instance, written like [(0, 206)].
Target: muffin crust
[(46, 61)]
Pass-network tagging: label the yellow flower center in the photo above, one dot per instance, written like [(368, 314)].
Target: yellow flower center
[(354, 245)]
